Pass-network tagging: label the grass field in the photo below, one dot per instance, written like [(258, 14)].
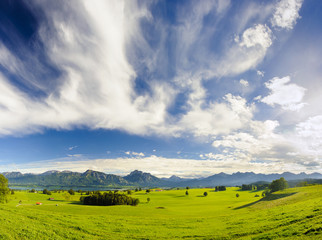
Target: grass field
[(295, 213)]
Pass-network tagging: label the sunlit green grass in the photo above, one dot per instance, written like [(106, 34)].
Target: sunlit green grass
[(294, 213)]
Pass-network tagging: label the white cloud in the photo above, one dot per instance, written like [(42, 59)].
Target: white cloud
[(96, 88), (244, 82), (135, 154), (309, 135), (286, 14), (260, 73), (218, 117), (288, 96), (259, 35), (92, 45), (71, 148), (249, 50), (159, 166)]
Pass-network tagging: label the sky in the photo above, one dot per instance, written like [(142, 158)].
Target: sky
[(186, 88)]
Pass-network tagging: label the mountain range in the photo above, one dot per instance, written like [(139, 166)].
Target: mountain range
[(137, 178)]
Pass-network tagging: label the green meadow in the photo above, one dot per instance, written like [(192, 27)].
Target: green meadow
[(295, 213)]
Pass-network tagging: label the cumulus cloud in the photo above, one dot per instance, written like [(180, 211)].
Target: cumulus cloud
[(244, 82), (286, 14), (258, 35), (288, 95), (218, 117), (309, 134), (260, 73)]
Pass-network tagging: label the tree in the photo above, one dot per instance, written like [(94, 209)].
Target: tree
[(4, 190), (45, 191), (187, 188), (148, 190), (187, 193), (237, 194), (33, 190), (205, 194), (71, 192), (12, 191), (278, 185), (148, 199), (129, 192)]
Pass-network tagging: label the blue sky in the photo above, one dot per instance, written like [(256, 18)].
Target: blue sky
[(190, 88)]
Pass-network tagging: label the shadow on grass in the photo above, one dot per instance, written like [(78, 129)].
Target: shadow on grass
[(76, 203), (56, 200), (265, 199)]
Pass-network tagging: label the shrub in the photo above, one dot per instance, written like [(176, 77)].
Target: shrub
[(237, 194), (205, 194)]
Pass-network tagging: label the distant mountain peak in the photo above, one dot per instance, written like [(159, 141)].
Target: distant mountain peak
[(50, 172)]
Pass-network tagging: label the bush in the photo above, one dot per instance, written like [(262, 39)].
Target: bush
[(237, 194), (205, 194), (187, 193)]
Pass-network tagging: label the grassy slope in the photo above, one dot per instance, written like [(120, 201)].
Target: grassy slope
[(294, 213)]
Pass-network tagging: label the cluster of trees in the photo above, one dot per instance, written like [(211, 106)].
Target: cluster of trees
[(4, 190), (261, 186), (108, 199), (248, 187), (220, 188), (277, 185), (45, 191)]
